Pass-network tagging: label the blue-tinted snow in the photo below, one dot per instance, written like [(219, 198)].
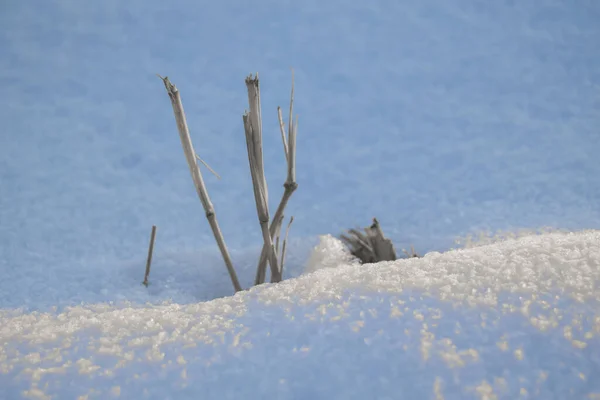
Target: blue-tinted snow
[(440, 118), (443, 119), (517, 319)]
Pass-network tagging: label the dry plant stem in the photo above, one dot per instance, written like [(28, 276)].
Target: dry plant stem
[(253, 130), (371, 246), (262, 264), (412, 254), (290, 184), (208, 167), (362, 239), (260, 198), (287, 232), (149, 259), (356, 242), (282, 130), (255, 119), (277, 236), (291, 118), (190, 156), (287, 194)]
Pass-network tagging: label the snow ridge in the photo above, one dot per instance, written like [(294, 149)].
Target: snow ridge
[(500, 320)]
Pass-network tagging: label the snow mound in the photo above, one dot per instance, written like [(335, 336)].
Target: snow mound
[(516, 319), (329, 253)]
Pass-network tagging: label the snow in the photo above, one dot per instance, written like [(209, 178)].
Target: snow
[(464, 124), (519, 318), (329, 253), (440, 119)]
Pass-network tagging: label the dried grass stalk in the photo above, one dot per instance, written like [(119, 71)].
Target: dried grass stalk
[(253, 129), (290, 185), (190, 155)]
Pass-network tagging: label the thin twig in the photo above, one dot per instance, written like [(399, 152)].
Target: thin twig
[(291, 179), (277, 234), (282, 130), (262, 263), (287, 232), (362, 238), (412, 254), (149, 259), (291, 118), (208, 166), (356, 242)]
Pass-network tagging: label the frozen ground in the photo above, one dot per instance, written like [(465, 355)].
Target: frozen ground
[(519, 319)]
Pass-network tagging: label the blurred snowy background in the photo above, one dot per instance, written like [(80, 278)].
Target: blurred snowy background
[(443, 119)]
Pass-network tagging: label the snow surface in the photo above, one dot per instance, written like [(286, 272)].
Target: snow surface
[(443, 119), (518, 319), (440, 118)]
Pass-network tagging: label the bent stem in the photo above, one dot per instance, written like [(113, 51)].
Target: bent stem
[(290, 185)]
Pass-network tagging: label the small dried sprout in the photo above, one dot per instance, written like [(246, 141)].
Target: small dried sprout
[(412, 253)]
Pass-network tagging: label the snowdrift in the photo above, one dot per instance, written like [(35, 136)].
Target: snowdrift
[(515, 319)]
